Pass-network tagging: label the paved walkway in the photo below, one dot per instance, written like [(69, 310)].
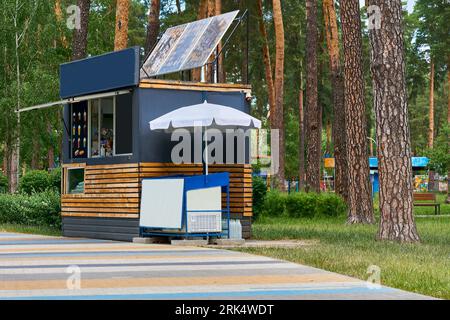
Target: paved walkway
[(38, 267)]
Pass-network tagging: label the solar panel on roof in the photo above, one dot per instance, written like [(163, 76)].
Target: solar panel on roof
[(187, 46), (208, 41), (164, 46)]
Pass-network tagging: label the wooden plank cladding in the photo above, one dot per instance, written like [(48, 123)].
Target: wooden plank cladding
[(110, 191), (114, 190)]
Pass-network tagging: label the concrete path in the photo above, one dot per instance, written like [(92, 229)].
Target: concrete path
[(40, 267)]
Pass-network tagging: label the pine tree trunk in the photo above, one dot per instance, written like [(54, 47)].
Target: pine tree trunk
[(391, 109), (339, 137), (51, 149), (121, 33), (431, 180), (153, 25), (301, 149), (328, 137), (59, 19), (431, 109), (359, 192), (15, 157), (222, 75), (209, 67), (196, 74), (448, 122), (266, 58), (13, 171), (79, 42), (279, 88), (313, 120), (5, 161)]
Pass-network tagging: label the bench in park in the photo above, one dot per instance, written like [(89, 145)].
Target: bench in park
[(421, 198)]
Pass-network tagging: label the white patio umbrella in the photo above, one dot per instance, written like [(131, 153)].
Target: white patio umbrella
[(205, 115)]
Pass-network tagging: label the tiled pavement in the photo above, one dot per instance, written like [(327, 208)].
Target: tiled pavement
[(37, 267)]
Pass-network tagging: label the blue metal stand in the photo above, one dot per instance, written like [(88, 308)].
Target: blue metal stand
[(196, 183)]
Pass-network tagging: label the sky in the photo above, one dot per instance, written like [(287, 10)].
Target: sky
[(409, 5)]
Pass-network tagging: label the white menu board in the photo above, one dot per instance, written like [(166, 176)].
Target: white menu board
[(161, 203)]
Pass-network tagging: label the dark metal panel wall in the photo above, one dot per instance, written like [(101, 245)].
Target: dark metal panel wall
[(101, 228), (156, 146), (106, 72)]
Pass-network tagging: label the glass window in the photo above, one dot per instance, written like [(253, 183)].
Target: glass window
[(75, 180), (110, 118), (124, 125), (102, 114), (107, 127), (79, 129), (94, 147)]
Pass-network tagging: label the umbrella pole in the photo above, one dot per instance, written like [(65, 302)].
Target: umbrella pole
[(206, 151)]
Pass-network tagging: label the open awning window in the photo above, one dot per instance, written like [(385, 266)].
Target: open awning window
[(74, 100)]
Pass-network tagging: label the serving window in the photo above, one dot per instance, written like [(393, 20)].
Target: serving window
[(73, 178), (102, 130), (102, 127)]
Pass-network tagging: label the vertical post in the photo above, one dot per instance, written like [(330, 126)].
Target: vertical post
[(228, 210), (203, 74), (247, 17), (205, 156)]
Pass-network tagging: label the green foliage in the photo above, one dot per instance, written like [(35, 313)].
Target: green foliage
[(330, 204), (303, 205), (274, 203), (55, 179), (35, 181), (259, 194), (440, 154), (426, 36), (39, 209), (3, 184), (300, 204), (433, 29), (439, 160)]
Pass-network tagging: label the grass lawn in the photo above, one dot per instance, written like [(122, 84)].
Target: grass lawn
[(47, 231), (350, 249)]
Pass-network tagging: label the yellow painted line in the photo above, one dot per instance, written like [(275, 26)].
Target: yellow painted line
[(175, 281)]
